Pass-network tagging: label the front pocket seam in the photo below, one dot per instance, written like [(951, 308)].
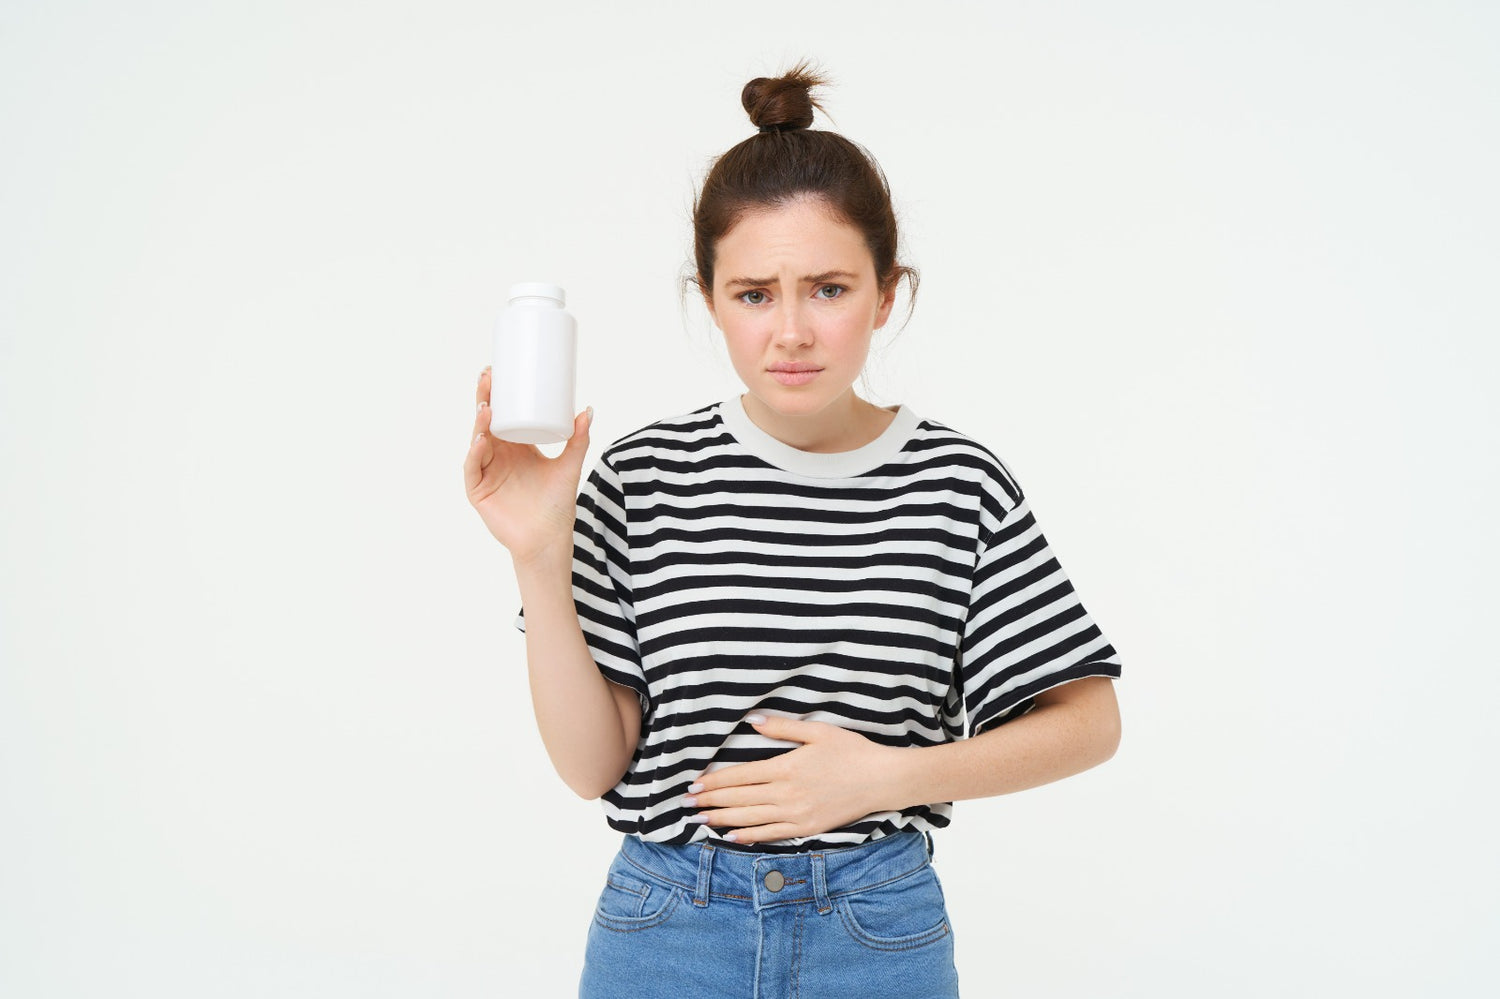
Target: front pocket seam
[(620, 924), (627, 885), (919, 939), (614, 881)]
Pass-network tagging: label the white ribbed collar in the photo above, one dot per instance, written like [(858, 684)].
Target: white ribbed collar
[(834, 465)]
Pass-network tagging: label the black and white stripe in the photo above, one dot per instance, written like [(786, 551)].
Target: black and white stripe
[(903, 591)]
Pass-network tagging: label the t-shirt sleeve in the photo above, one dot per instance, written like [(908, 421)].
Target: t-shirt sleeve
[(602, 580), (1026, 629)]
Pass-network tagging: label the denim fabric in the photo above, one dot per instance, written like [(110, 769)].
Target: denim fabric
[(708, 921)]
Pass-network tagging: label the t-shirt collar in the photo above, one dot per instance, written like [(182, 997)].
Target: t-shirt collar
[(837, 464)]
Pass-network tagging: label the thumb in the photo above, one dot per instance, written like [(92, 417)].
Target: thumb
[(578, 444)]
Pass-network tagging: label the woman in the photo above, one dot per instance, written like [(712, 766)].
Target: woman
[(780, 635)]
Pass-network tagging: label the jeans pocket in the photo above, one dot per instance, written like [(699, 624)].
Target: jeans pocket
[(906, 913), (629, 902)]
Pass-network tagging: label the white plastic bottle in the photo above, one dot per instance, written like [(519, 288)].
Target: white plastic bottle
[(533, 372)]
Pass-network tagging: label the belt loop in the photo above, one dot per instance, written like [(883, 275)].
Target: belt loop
[(931, 846), (705, 865), (820, 884)]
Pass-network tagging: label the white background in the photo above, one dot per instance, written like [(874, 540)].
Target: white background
[(1217, 281)]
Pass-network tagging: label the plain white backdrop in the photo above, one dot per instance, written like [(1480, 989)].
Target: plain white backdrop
[(1217, 282)]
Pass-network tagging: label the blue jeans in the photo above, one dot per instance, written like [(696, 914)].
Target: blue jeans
[(708, 921)]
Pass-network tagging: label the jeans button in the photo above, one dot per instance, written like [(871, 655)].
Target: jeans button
[(775, 880)]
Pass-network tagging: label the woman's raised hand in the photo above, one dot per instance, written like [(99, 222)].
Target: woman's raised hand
[(525, 498)]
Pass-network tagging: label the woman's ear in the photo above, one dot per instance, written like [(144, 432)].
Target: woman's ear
[(887, 300), (708, 301)]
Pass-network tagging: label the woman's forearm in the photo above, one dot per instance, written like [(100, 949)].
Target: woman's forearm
[(1048, 743), (576, 712), (838, 775)]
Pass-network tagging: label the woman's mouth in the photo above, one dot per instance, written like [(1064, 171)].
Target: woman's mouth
[(787, 376)]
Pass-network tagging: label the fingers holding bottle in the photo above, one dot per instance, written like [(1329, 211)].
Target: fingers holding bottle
[(481, 473), (481, 443), (526, 499), (482, 408)]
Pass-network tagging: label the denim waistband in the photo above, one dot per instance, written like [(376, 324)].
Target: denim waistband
[(709, 870)]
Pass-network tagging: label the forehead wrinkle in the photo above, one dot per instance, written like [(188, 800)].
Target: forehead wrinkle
[(763, 246), (749, 282)]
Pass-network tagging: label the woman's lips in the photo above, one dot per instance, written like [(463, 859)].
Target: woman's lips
[(795, 377)]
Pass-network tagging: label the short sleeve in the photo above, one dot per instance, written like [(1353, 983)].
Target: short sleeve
[(602, 580), (1026, 630)]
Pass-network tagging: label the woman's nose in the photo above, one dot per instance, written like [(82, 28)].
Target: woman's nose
[(794, 326)]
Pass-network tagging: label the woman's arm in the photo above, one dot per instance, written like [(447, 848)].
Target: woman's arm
[(838, 776), (588, 725), (529, 503), (1072, 728)]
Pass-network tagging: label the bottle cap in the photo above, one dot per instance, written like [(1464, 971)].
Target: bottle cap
[(537, 289)]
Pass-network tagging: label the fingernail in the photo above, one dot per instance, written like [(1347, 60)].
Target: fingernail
[(591, 414), (756, 719), (700, 819), (690, 802), (478, 438), (732, 837), (480, 406), (694, 788)]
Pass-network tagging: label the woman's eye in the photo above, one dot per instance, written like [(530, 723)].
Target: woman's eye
[(752, 297), (830, 291)]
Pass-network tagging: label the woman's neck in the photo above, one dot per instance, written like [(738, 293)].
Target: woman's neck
[(845, 425)]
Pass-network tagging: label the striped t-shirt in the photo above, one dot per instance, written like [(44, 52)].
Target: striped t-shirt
[(902, 590)]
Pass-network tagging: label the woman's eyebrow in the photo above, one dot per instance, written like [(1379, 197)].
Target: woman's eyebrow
[(746, 282)]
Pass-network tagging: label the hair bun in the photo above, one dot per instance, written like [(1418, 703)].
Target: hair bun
[(785, 102)]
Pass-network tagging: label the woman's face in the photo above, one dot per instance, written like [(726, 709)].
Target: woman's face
[(795, 287)]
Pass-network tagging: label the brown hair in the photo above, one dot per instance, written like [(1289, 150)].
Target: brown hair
[(786, 159)]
